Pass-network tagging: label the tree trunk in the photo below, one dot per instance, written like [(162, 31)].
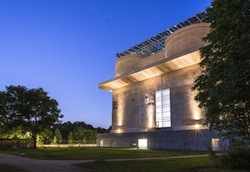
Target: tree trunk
[(34, 142)]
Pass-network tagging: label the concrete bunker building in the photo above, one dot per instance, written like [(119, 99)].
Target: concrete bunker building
[(153, 104)]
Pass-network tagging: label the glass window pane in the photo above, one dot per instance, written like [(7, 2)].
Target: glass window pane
[(163, 115)]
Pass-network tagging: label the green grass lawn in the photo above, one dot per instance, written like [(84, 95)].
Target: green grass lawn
[(201, 164), (9, 168), (100, 155), (94, 153)]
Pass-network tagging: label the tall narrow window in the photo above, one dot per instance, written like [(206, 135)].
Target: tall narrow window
[(163, 114)]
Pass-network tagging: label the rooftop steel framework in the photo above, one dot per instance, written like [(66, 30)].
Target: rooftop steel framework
[(156, 43)]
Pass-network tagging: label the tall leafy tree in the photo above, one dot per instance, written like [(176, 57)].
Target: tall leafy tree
[(46, 136), (70, 137), (79, 135), (57, 136), (32, 109), (224, 85), (82, 135), (4, 116), (68, 127)]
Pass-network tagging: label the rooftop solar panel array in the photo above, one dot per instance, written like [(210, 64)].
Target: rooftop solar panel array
[(156, 43)]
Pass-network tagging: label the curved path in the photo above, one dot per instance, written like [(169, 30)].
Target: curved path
[(37, 165)]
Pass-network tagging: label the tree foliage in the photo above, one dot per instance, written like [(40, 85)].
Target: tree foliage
[(68, 127), (57, 137), (70, 137), (46, 136), (32, 109), (223, 86), (82, 135)]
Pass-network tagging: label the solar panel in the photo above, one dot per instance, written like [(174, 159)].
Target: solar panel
[(156, 43), (193, 19)]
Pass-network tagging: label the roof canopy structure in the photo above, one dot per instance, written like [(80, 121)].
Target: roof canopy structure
[(161, 67), (156, 43)]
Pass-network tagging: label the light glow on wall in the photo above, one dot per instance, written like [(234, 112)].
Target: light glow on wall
[(196, 113), (193, 106), (119, 130), (150, 114), (196, 126), (120, 118), (120, 112)]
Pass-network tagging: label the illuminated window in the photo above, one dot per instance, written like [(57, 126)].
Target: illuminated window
[(163, 114), (215, 143), (142, 143)]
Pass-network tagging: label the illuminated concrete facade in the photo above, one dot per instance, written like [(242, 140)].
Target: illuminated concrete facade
[(137, 113)]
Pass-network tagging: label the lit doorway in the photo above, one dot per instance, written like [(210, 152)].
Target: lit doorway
[(101, 143), (142, 143)]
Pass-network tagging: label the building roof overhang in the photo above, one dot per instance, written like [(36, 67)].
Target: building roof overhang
[(161, 67)]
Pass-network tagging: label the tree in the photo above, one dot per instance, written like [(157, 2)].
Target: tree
[(67, 127), (32, 109), (91, 136), (223, 86), (82, 135), (57, 136), (79, 134), (46, 136), (4, 128), (70, 137), (14, 133)]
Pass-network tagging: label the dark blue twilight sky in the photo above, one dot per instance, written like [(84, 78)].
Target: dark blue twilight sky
[(67, 47)]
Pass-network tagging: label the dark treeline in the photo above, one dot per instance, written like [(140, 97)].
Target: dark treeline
[(61, 133), (31, 114), (67, 127), (68, 133)]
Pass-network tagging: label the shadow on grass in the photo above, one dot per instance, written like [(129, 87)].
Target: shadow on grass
[(10, 168), (201, 164)]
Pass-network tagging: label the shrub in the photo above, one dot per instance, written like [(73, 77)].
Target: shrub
[(237, 156), (16, 143), (215, 158)]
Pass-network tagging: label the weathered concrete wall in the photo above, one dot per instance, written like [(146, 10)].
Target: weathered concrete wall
[(152, 59), (198, 140), (128, 64), (186, 40), (133, 105)]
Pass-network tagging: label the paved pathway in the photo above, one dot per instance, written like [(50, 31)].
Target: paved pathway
[(36, 165)]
